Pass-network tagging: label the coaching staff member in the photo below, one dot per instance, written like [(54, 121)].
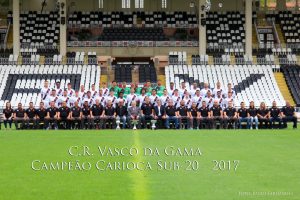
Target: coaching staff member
[(97, 112), (19, 116), (171, 115), (75, 116), (275, 115), (204, 115), (121, 112), (86, 116), (62, 116), (159, 113), (288, 115), (51, 115), (41, 114), (30, 113), (146, 111), (217, 114), (230, 116)]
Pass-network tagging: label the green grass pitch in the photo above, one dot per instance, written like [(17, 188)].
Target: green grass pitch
[(268, 165)]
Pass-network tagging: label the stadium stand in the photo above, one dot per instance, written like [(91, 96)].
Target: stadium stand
[(292, 77), (22, 83)]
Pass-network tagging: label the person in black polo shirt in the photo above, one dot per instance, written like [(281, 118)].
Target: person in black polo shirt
[(230, 116), (62, 116), (8, 115), (275, 115), (19, 116), (41, 114), (75, 116), (51, 119), (242, 115), (110, 115), (171, 115), (288, 115), (182, 115), (121, 112), (193, 116), (159, 113), (30, 116), (252, 115), (146, 112), (204, 116), (86, 116), (217, 114), (263, 115), (96, 115)]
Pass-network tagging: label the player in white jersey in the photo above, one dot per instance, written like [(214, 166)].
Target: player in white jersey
[(101, 98), (59, 90), (187, 100), (165, 98), (194, 88), (229, 89), (82, 92), (64, 98), (70, 91), (52, 97), (105, 89), (94, 92), (219, 98), (171, 90), (45, 91), (153, 97), (209, 99), (176, 98), (120, 98), (88, 98), (198, 99), (75, 98), (204, 90), (183, 89), (141, 98), (228, 99), (111, 97), (131, 97), (217, 89)]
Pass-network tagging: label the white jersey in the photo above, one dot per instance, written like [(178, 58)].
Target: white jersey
[(182, 91), (187, 102), (204, 91), (113, 99), (216, 90), (62, 99), (45, 92), (82, 95), (153, 99), (51, 98), (164, 100), (226, 93), (59, 91), (193, 91), (94, 94), (226, 101), (71, 92), (141, 99), (171, 92), (101, 99), (119, 99), (220, 100), (89, 100), (198, 100), (130, 98), (105, 91), (209, 101), (74, 99), (176, 100)]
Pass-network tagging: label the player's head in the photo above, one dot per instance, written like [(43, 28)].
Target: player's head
[(287, 103), (252, 104), (93, 87), (86, 104), (133, 103), (97, 101), (208, 93), (197, 92), (154, 92), (195, 85), (114, 83), (76, 104), (170, 102), (216, 103), (30, 104), (176, 92), (194, 105), (121, 102), (147, 100), (274, 104), (242, 104), (143, 91), (172, 85), (52, 104), (132, 90), (159, 82), (64, 104), (229, 94), (19, 105), (88, 94), (100, 91), (8, 105), (262, 105), (206, 85), (46, 83), (165, 92), (57, 84), (218, 84), (158, 102), (203, 104), (111, 92), (82, 88), (109, 103), (230, 104), (76, 93), (53, 92), (182, 103), (229, 85), (69, 86), (41, 104), (121, 94), (183, 84), (65, 93)]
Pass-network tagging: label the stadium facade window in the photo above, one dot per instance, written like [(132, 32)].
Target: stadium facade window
[(139, 3), (290, 3), (100, 3), (271, 4), (125, 3), (164, 3)]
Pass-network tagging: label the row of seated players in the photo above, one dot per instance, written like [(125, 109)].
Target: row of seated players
[(99, 117), (104, 94)]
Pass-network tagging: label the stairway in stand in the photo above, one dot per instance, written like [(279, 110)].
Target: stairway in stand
[(280, 34), (283, 87)]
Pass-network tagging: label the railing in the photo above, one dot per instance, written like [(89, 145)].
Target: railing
[(133, 44), (91, 26)]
